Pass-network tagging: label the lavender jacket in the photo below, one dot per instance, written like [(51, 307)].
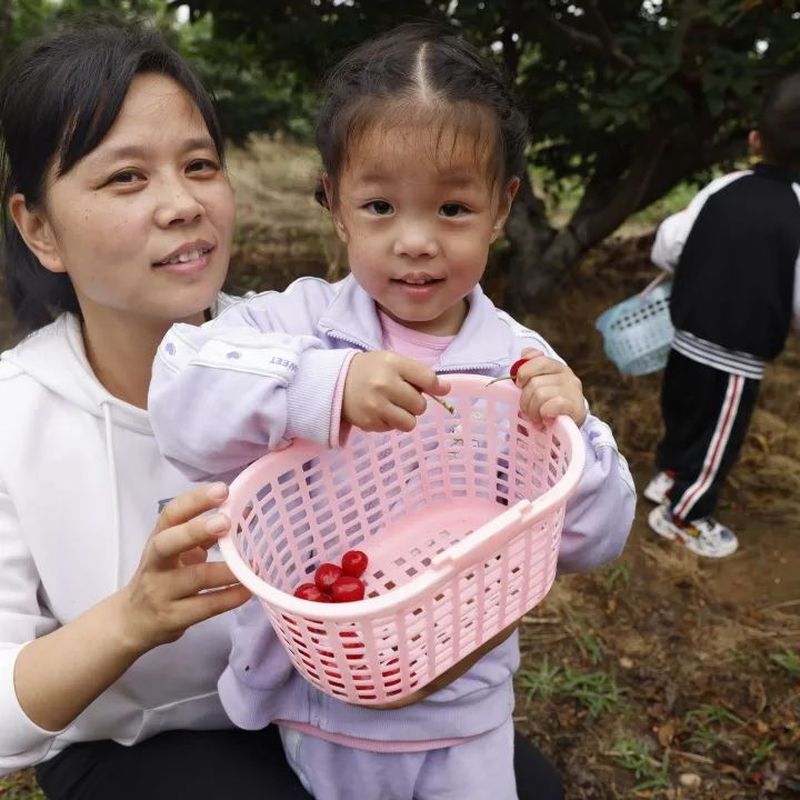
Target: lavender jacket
[(265, 371)]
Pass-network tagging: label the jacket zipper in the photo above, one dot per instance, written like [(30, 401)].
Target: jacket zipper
[(368, 349)]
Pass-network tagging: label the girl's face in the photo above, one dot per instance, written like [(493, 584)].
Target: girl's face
[(418, 214), (143, 223)]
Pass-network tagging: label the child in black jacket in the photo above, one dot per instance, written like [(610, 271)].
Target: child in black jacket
[(735, 252)]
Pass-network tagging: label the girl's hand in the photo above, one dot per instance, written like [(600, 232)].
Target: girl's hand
[(383, 391), (169, 591), (549, 388)]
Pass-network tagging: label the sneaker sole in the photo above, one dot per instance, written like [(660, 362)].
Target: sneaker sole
[(664, 529), (654, 497), (689, 543), (659, 525)]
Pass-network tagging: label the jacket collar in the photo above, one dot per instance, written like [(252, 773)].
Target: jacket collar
[(481, 344), (776, 172)]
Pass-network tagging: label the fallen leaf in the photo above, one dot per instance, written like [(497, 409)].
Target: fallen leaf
[(666, 733)]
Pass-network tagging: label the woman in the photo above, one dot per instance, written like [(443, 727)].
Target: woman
[(118, 218)]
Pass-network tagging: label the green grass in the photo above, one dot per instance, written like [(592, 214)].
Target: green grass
[(761, 754), (597, 692), (649, 772), (591, 648), (713, 714), (543, 681), (708, 723), (618, 574), (788, 660)]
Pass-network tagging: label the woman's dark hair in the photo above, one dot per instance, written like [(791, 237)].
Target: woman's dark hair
[(427, 74), (59, 96), (779, 125)]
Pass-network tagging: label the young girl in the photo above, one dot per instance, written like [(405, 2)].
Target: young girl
[(422, 151), (117, 221)]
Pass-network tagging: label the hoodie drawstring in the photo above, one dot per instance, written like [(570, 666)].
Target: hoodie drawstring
[(112, 466)]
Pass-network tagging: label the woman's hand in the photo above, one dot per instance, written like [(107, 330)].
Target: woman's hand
[(175, 586), (383, 391), (57, 675), (549, 388)]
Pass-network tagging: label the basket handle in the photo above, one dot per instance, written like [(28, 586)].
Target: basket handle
[(487, 538), (663, 275)]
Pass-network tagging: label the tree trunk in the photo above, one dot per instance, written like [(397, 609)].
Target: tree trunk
[(529, 234), (541, 257)]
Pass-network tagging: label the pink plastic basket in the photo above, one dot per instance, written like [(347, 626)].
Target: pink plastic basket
[(461, 520)]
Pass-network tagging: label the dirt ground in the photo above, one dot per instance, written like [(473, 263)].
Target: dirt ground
[(665, 675), (662, 675)]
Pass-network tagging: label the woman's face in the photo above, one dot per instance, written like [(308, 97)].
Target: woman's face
[(143, 223)]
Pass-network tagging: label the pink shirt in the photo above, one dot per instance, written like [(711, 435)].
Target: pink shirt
[(424, 347)]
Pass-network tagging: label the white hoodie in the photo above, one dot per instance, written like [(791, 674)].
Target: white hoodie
[(81, 481)]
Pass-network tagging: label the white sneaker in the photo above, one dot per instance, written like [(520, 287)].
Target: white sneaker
[(704, 536), (659, 486)]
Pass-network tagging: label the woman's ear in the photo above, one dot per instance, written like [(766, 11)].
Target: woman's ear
[(331, 205), (504, 206), (37, 233)]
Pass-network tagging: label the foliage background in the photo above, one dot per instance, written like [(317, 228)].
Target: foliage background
[(627, 100)]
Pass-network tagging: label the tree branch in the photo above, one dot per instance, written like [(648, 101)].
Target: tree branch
[(595, 225), (592, 42), (604, 35), (510, 53)]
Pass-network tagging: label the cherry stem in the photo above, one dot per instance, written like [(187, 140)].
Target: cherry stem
[(501, 378), (443, 403)]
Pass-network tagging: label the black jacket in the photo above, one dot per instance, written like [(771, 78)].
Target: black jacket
[(735, 252)]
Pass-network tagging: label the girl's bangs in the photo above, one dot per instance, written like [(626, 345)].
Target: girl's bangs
[(447, 133)]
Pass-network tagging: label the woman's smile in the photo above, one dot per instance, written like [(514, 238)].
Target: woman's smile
[(188, 259)]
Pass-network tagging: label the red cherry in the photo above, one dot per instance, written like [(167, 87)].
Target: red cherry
[(356, 645), (394, 670), (347, 589), (354, 563), (326, 575), (310, 591), (516, 365)]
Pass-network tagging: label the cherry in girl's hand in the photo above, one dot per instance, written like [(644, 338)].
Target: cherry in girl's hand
[(512, 373), (549, 388)]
